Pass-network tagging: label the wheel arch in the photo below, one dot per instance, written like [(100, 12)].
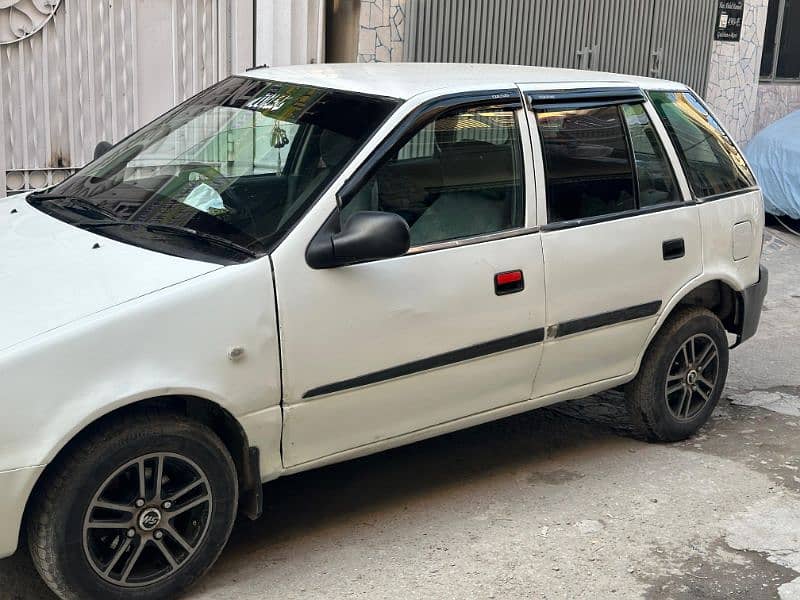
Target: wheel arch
[(718, 295), (202, 410)]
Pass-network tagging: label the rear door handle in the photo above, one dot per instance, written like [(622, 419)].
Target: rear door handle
[(509, 282), (673, 249)]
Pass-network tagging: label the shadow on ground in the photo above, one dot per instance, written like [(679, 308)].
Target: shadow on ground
[(393, 478), (299, 504), (551, 446)]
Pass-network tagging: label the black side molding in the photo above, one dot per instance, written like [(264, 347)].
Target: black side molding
[(608, 318), (519, 340)]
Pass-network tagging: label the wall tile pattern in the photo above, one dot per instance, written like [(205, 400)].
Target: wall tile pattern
[(775, 101), (381, 30), (733, 76)]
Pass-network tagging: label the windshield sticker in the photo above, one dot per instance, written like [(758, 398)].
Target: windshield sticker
[(286, 102)]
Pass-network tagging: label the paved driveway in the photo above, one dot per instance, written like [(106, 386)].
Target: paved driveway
[(558, 503)]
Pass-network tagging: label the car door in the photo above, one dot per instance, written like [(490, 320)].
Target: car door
[(621, 235), (390, 348)]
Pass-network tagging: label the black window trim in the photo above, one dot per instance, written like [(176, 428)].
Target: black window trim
[(682, 161), (666, 144), (631, 157), (418, 117), (474, 239), (415, 120), (610, 97), (624, 214), (576, 98)]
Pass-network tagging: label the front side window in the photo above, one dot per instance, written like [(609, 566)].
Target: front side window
[(712, 163), (459, 176), (227, 172)]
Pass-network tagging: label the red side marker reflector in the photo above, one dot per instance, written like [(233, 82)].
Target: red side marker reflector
[(508, 277)]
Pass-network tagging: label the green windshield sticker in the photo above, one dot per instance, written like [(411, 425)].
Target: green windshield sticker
[(286, 102)]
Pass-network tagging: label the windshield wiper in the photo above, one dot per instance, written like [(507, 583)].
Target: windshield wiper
[(176, 230), (77, 201)]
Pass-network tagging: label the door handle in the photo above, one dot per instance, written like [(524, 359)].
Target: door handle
[(673, 249), (509, 282)]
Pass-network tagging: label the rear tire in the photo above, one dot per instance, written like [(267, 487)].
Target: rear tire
[(139, 510), (681, 377)]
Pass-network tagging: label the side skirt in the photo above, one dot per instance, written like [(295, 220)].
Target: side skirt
[(462, 423)]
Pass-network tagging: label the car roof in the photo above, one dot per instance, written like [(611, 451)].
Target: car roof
[(405, 80)]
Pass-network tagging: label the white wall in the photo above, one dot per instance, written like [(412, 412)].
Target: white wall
[(100, 69), (289, 32)]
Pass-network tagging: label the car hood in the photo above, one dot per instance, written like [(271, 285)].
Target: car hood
[(52, 273)]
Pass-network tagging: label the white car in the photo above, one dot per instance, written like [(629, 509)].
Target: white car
[(303, 265)]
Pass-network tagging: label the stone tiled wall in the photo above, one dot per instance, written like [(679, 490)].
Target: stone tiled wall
[(775, 101), (733, 76), (382, 30)]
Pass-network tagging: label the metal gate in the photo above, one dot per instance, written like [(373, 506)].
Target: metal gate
[(657, 38), (99, 69), (683, 31)]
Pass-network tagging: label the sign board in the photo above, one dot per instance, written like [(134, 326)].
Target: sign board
[(729, 20)]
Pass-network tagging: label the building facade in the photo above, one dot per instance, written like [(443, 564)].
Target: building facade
[(673, 39), (75, 72)]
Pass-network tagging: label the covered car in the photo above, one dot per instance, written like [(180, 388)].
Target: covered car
[(774, 155)]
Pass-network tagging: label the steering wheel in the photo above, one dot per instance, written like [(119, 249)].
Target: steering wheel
[(232, 201), (214, 178)]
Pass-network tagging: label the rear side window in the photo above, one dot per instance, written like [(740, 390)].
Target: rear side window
[(602, 160), (656, 180), (712, 163), (587, 161)]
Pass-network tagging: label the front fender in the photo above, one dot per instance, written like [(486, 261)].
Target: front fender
[(172, 342)]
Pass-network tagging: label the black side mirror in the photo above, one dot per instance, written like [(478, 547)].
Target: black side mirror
[(102, 148), (365, 235)]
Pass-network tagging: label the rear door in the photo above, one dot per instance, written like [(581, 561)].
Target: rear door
[(620, 237)]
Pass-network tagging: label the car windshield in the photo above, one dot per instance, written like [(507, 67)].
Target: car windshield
[(227, 172)]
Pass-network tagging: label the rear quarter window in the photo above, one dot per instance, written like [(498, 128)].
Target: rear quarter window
[(712, 163)]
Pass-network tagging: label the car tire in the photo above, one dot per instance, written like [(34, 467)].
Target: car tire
[(105, 501), (681, 377)]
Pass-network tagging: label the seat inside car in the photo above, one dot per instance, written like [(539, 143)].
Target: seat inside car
[(446, 187), (459, 214), (477, 179)]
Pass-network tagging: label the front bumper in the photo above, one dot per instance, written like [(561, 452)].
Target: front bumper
[(16, 487), (752, 300)]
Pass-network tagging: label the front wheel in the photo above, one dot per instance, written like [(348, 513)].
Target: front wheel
[(681, 377), (138, 511)]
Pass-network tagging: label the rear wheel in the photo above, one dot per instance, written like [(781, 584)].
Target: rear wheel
[(137, 511), (681, 377)]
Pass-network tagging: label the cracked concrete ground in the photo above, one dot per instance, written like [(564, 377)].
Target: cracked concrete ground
[(559, 503)]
